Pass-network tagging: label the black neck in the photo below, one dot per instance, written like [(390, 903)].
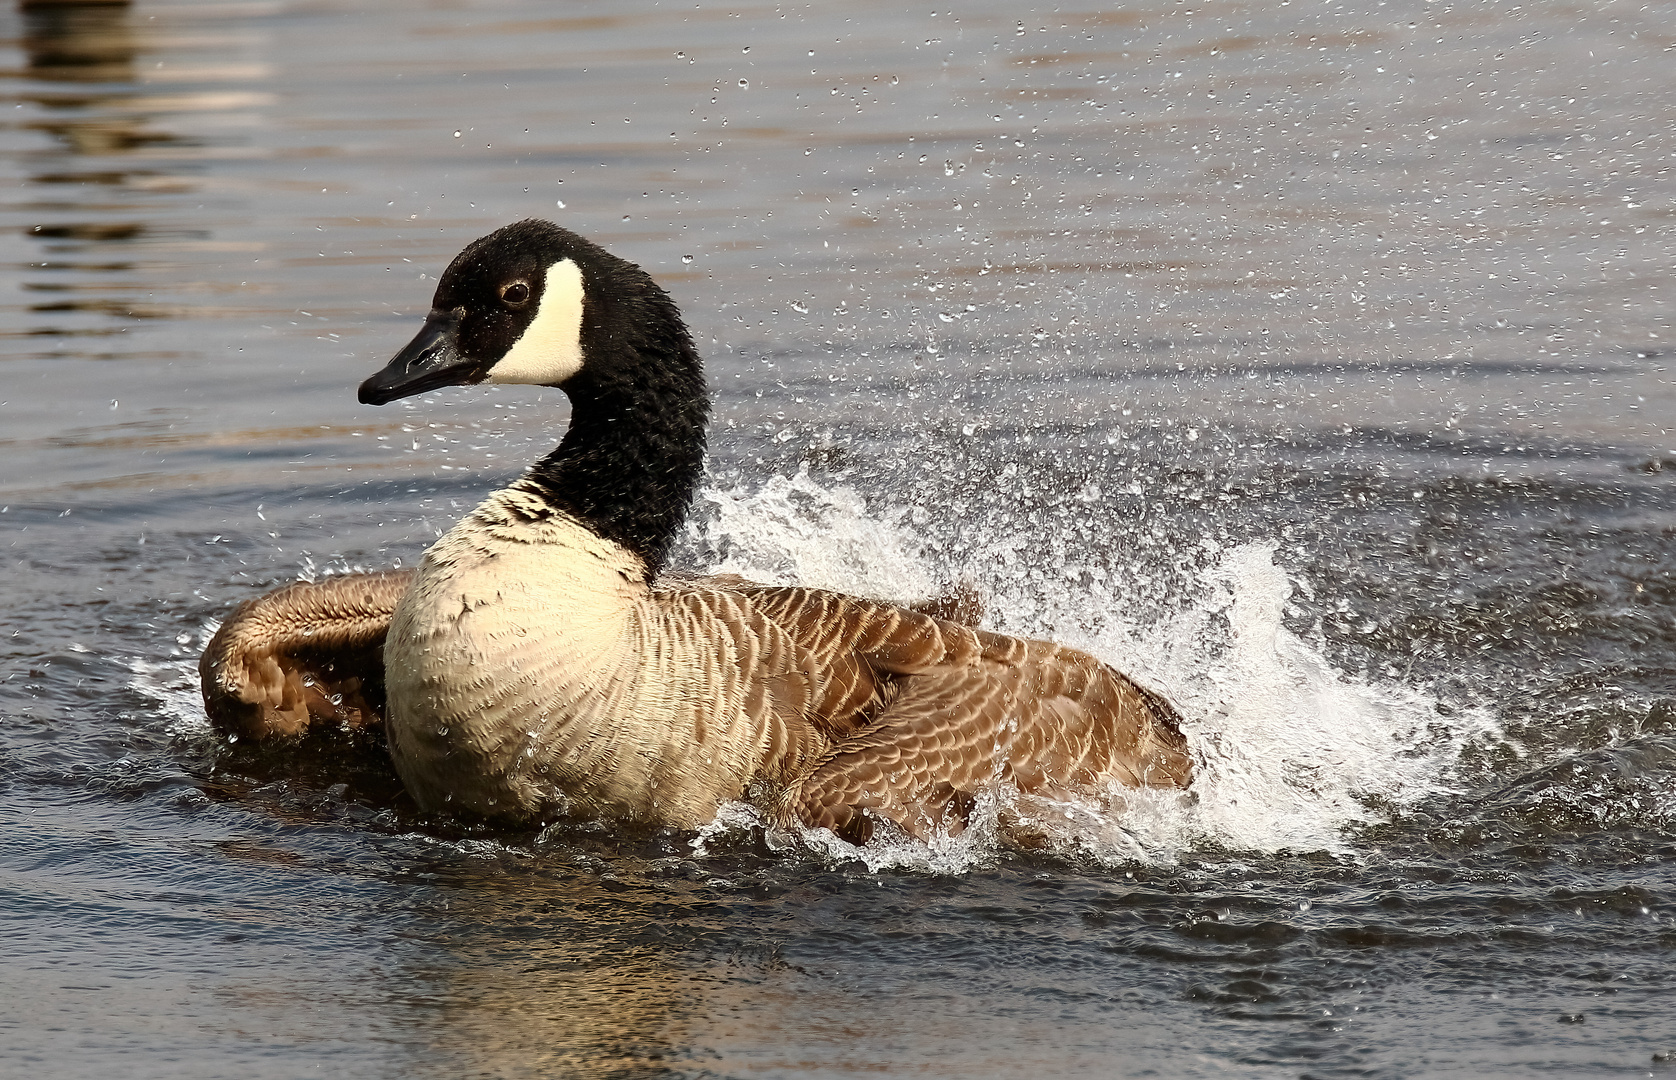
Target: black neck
[(634, 453)]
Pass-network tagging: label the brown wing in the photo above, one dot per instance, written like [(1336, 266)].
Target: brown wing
[(859, 647), (308, 652), (924, 713)]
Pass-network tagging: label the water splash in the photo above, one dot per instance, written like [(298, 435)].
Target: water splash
[(1290, 751), (793, 530), (173, 684)]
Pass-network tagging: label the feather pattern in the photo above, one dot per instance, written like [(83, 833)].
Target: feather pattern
[(629, 702), (938, 711)]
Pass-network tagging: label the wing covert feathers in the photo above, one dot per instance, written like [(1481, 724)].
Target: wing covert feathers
[(308, 652), (923, 713)]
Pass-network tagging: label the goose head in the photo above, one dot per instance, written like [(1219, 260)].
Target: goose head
[(530, 303), (534, 303)]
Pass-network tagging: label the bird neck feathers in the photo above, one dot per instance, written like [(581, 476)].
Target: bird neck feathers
[(634, 452)]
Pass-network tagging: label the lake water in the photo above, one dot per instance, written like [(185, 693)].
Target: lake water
[(1310, 360)]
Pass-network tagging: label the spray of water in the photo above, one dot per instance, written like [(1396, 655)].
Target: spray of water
[(172, 682), (1289, 750), (794, 531)]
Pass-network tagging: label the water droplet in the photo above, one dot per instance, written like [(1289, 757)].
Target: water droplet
[(456, 134), (686, 258)]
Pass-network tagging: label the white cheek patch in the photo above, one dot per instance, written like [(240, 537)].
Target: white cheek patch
[(550, 350)]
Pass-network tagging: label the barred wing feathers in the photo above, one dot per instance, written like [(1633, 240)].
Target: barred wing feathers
[(923, 713)]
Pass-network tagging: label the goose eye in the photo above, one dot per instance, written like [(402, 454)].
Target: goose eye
[(515, 294)]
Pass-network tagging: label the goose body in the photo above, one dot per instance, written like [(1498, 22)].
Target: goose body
[(538, 663)]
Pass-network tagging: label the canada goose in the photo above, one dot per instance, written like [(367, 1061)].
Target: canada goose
[(538, 663)]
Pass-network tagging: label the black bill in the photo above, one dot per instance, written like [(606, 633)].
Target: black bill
[(430, 360)]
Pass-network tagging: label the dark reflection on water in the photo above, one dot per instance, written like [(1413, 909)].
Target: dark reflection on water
[(1084, 305), (108, 177), (85, 55)]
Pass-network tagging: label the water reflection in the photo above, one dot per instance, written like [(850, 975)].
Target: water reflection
[(101, 195), (564, 963), (550, 970), (81, 62), (95, 45)]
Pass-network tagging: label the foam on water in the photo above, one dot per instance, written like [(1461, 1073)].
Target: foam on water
[(173, 684), (1289, 750)]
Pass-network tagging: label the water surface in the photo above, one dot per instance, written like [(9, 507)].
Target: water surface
[(1309, 361)]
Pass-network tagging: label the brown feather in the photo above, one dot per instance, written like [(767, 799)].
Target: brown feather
[(950, 710), (306, 653)]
